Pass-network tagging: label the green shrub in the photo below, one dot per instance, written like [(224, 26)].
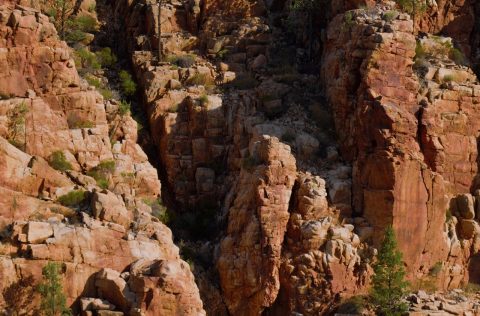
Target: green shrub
[(75, 36), (86, 59), (448, 215), (101, 172), (354, 305), (124, 108), (58, 161), (457, 56), (159, 210), (85, 23), (390, 16), (106, 93), (72, 198), (173, 108), (420, 52), (199, 79), (472, 288), (93, 81), (435, 269), (222, 53), (348, 19), (106, 165), (183, 61), (106, 57), (75, 122), (412, 7), (128, 85), (448, 78), (203, 100), (92, 8)]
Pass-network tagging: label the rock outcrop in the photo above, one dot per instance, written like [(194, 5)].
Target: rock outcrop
[(403, 131)]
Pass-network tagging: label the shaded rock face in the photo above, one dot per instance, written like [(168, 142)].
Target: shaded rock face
[(109, 229)]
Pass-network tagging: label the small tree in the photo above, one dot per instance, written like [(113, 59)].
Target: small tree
[(389, 285), (60, 11), (19, 295), (53, 301)]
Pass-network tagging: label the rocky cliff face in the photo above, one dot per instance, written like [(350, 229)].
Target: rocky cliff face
[(110, 245), (281, 183)]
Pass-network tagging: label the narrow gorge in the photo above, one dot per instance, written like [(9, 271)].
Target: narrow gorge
[(238, 157)]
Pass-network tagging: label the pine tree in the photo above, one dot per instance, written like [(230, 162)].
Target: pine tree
[(389, 285), (53, 301)]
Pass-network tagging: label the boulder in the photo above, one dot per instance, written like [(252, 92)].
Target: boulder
[(38, 232), (465, 206)]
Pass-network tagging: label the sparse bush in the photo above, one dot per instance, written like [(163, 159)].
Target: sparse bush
[(448, 215), (85, 23), (106, 93), (74, 122), (106, 57), (159, 210), (472, 288), (53, 301), (222, 53), (92, 8), (183, 61), (412, 7), (457, 56), (101, 172), (348, 19), (353, 305), (203, 99), (173, 108), (86, 59), (435, 269), (75, 36), (124, 108), (93, 81), (448, 78), (58, 161), (106, 165), (199, 79), (128, 85), (72, 198), (420, 51), (390, 16)]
